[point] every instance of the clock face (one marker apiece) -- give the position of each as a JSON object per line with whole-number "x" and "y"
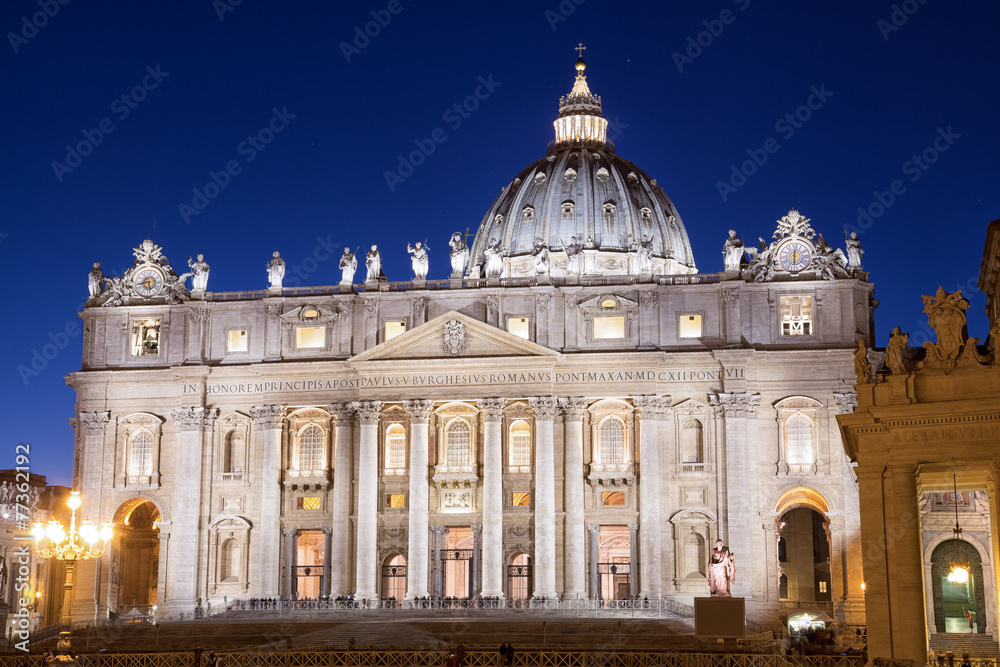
{"x": 794, "y": 256}
{"x": 148, "y": 282}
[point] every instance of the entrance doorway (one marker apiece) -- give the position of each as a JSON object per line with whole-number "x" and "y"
{"x": 135, "y": 559}
{"x": 519, "y": 578}
{"x": 804, "y": 557}
{"x": 309, "y": 551}
{"x": 456, "y": 559}
{"x": 614, "y": 567}
{"x": 955, "y": 601}
{"x": 394, "y": 578}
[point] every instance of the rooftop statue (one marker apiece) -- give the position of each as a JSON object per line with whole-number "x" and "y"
{"x": 574, "y": 256}
{"x": 373, "y": 262}
{"x": 199, "y": 270}
{"x": 95, "y": 281}
{"x": 494, "y": 259}
{"x": 854, "y": 251}
{"x": 862, "y": 367}
{"x": 946, "y": 315}
{"x": 899, "y": 345}
{"x": 541, "y": 254}
{"x": 732, "y": 251}
{"x": 459, "y": 255}
{"x": 645, "y": 252}
{"x": 348, "y": 265}
{"x": 276, "y": 270}
{"x": 420, "y": 261}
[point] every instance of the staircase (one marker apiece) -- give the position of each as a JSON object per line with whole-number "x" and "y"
{"x": 978, "y": 645}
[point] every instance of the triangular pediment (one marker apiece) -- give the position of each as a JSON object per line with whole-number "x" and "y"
{"x": 454, "y": 336}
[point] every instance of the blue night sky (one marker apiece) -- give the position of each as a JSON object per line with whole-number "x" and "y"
{"x": 887, "y": 83}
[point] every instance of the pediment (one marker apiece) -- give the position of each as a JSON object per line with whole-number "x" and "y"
{"x": 454, "y": 336}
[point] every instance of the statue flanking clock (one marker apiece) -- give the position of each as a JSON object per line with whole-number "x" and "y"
{"x": 796, "y": 251}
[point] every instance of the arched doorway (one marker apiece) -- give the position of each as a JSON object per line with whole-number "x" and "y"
{"x": 519, "y": 577}
{"x": 803, "y": 551}
{"x": 394, "y": 577}
{"x": 309, "y": 554}
{"x": 135, "y": 558}
{"x": 952, "y": 599}
{"x": 614, "y": 565}
{"x": 457, "y": 563}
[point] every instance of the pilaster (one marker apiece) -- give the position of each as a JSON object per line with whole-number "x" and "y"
{"x": 545, "y": 502}
{"x": 268, "y": 419}
{"x": 343, "y": 474}
{"x": 416, "y": 563}
{"x": 650, "y": 409}
{"x": 492, "y": 413}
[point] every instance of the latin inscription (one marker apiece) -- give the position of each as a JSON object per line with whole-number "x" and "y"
{"x": 463, "y": 379}
{"x": 948, "y": 434}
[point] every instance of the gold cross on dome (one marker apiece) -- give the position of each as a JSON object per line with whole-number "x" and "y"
{"x": 580, "y": 48}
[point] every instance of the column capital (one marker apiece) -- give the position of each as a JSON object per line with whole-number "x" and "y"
{"x": 593, "y": 528}
{"x": 633, "y": 527}
{"x": 368, "y": 412}
{"x": 492, "y": 408}
{"x": 342, "y": 413}
{"x": 573, "y": 408}
{"x": 736, "y": 404}
{"x": 267, "y": 416}
{"x": 439, "y": 530}
{"x": 420, "y": 411}
{"x": 194, "y": 419}
{"x": 846, "y": 402}
{"x": 651, "y": 407}
{"x": 476, "y": 528}
{"x": 290, "y": 532}
{"x": 94, "y": 423}
{"x": 327, "y": 531}
{"x": 544, "y": 407}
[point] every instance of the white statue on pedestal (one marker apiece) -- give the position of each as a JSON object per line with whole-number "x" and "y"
{"x": 95, "y": 281}
{"x": 732, "y": 251}
{"x": 494, "y": 259}
{"x": 420, "y": 261}
{"x": 276, "y": 270}
{"x": 541, "y": 253}
{"x": 373, "y": 262}
{"x": 199, "y": 270}
{"x": 459, "y": 255}
{"x": 854, "y": 251}
{"x": 574, "y": 256}
{"x": 348, "y": 265}
{"x": 645, "y": 252}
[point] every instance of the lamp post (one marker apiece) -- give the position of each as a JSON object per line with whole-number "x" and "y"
{"x": 52, "y": 541}
{"x": 958, "y": 567}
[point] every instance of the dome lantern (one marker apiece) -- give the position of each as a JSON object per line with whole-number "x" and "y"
{"x": 580, "y": 119}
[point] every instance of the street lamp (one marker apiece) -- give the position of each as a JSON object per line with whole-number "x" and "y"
{"x": 54, "y": 542}
{"x": 958, "y": 567}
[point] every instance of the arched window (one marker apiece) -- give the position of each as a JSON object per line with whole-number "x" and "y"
{"x": 457, "y": 436}
{"x": 311, "y": 443}
{"x": 519, "y": 447}
{"x": 799, "y": 442}
{"x": 783, "y": 586}
{"x": 692, "y": 442}
{"x": 395, "y": 450}
{"x": 229, "y": 560}
{"x": 140, "y": 458}
{"x": 232, "y": 452}
{"x": 612, "y": 441}
{"x": 782, "y": 550}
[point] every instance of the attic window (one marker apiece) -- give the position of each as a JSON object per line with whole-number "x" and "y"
{"x": 608, "y": 304}
{"x": 528, "y": 213}
{"x": 309, "y": 313}
{"x": 393, "y": 328}
{"x": 310, "y": 338}
{"x": 609, "y": 209}
{"x": 498, "y": 220}
{"x": 568, "y": 207}
{"x": 539, "y": 179}
{"x": 646, "y": 214}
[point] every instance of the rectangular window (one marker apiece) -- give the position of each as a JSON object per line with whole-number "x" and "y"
{"x": 310, "y": 338}
{"x": 518, "y": 326}
{"x": 145, "y": 340}
{"x": 237, "y": 340}
{"x": 606, "y": 328}
{"x": 396, "y": 500}
{"x": 393, "y": 328}
{"x": 689, "y": 326}
{"x": 520, "y": 500}
{"x": 822, "y": 587}
{"x": 796, "y": 315}
{"x": 309, "y": 503}
{"x": 613, "y": 498}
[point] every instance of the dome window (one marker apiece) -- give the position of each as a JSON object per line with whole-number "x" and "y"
{"x": 568, "y": 207}
{"x": 498, "y": 220}
{"x": 647, "y": 215}
{"x": 632, "y": 178}
{"x": 528, "y": 214}
{"x": 539, "y": 179}
{"x": 570, "y": 175}
{"x": 609, "y": 208}
{"x": 603, "y": 176}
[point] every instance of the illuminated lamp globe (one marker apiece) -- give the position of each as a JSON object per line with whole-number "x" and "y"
{"x": 106, "y": 531}
{"x": 38, "y": 531}
{"x": 74, "y": 501}
{"x": 88, "y": 532}
{"x": 580, "y": 65}
{"x": 959, "y": 575}
{"x": 55, "y": 532}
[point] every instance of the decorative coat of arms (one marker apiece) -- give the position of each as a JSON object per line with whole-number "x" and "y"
{"x": 454, "y": 339}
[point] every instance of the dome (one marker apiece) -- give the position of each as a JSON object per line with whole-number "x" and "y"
{"x": 582, "y": 193}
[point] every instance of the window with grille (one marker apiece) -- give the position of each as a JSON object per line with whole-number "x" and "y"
{"x": 395, "y": 450}
{"x": 140, "y": 460}
{"x": 798, "y": 442}
{"x": 519, "y": 447}
{"x": 311, "y": 448}
{"x": 457, "y": 438}
{"x": 796, "y": 315}
{"x": 612, "y": 448}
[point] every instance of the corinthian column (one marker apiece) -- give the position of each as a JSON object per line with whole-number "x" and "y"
{"x": 545, "y": 498}
{"x": 343, "y": 471}
{"x": 267, "y": 418}
{"x": 90, "y": 431}
{"x": 492, "y": 411}
{"x": 367, "y": 541}
{"x": 651, "y": 409}
{"x": 736, "y": 409}
{"x": 189, "y": 424}
{"x": 416, "y": 562}
{"x": 575, "y": 563}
